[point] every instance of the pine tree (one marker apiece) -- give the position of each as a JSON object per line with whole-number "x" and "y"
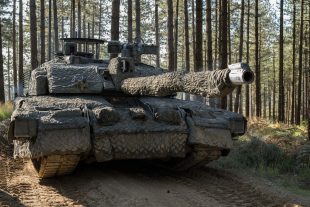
{"x": 157, "y": 35}
{"x": 72, "y": 18}
{"x": 223, "y": 45}
{"x": 129, "y": 14}
{"x": 14, "y": 49}
{"x": 8, "y": 71}
{"x": 138, "y": 24}
{"x": 115, "y": 22}
{"x": 238, "y": 93}
{"x": 21, "y": 51}
{"x": 247, "y": 89}
{"x": 186, "y": 31}
{"x": 56, "y": 38}
{"x": 33, "y": 35}
{"x": 209, "y": 35}
{"x": 49, "y": 30}
{"x": 2, "y": 96}
{"x": 171, "y": 66}
{"x": 42, "y": 31}
{"x": 281, "y": 101}
{"x": 199, "y": 39}
{"x": 300, "y": 62}
{"x": 176, "y": 34}
{"x": 257, "y": 64}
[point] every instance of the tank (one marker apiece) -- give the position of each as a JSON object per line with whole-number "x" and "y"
{"x": 79, "y": 108}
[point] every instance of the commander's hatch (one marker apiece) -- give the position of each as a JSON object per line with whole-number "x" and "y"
{"x": 80, "y": 46}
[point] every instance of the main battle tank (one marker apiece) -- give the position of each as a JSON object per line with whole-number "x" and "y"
{"x": 80, "y": 108}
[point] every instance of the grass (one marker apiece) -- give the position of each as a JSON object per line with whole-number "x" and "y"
{"x": 6, "y": 111}
{"x": 270, "y": 150}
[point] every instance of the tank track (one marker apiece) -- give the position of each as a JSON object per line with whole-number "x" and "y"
{"x": 200, "y": 155}
{"x": 55, "y": 165}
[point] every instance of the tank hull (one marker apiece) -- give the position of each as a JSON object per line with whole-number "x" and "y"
{"x": 102, "y": 129}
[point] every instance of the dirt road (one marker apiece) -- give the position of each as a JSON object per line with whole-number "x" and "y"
{"x": 127, "y": 183}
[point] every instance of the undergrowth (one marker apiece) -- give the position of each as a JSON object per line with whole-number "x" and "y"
{"x": 6, "y": 110}
{"x": 271, "y": 150}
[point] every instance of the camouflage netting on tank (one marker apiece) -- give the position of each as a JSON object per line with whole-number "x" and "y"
{"x": 38, "y": 83}
{"x": 210, "y": 83}
{"x": 152, "y": 83}
{"x": 74, "y": 79}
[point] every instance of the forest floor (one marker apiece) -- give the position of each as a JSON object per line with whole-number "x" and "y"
{"x": 230, "y": 181}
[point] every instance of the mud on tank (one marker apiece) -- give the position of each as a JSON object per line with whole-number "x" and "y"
{"x": 81, "y": 108}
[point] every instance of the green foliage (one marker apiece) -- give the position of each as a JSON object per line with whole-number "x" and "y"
{"x": 254, "y": 153}
{"x": 270, "y": 150}
{"x": 6, "y": 110}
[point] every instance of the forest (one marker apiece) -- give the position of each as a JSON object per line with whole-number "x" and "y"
{"x": 273, "y": 37}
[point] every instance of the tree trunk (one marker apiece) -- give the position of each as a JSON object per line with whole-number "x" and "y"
{"x": 247, "y": 92}
{"x": 216, "y": 34}
{"x": 79, "y": 22}
{"x": 2, "y": 96}
{"x": 62, "y": 29}
{"x": 186, "y": 31}
{"x": 309, "y": 115}
{"x": 9, "y": 76}
{"x": 14, "y": 49}
{"x": 269, "y": 94}
{"x": 281, "y": 101}
{"x": 230, "y": 96}
{"x": 21, "y": 51}
{"x": 115, "y": 23}
{"x": 129, "y": 13}
{"x": 49, "y": 29}
{"x": 298, "y": 110}
{"x": 33, "y": 35}
{"x": 56, "y": 38}
{"x": 84, "y": 27}
{"x": 157, "y": 35}
{"x": 223, "y": 45}
{"x": 138, "y": 24}
{"x": 209, "y": 35}
{"x": 199, "y": 39}
{"x": 274, "y": 87}
{"x": 193, "y": 33}
{"x": 73, "y": 18}
{"x": 42, "y": 31}
{"x": 93, "y": 29}
{"x": 257, "y": 65}
{"x": 170, "y": 36}
{"x": 176, "y": 34}
{"x": 238, "y": 92}
{"x": 308, "y": 105}
{"x": 100, "y": 18}
{"x": 264, "y": 103}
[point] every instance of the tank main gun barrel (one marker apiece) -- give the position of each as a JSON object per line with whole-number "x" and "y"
{"x": 240, "y": 73}
{"x": 217, "y": 83}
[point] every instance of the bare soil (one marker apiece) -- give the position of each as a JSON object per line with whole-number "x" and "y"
{"x": 130, "y": 183}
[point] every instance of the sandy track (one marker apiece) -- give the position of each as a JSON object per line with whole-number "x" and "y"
{"x": 127, "y": 183}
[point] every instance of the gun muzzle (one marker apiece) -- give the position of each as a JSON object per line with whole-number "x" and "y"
{"x": 240, "y": 73}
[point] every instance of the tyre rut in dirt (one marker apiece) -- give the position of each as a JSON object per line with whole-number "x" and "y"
{"x": 226, "y": 190}
{"x": 56, "y": 165}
